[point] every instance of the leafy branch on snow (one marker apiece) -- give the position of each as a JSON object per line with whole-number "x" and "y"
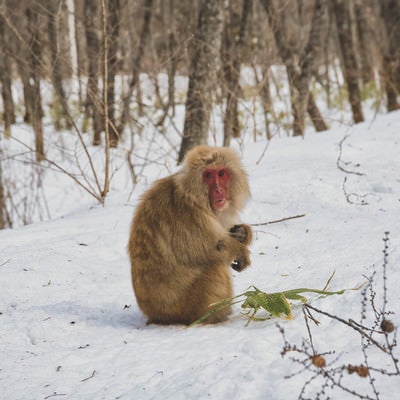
{"x": 275, "y": 304}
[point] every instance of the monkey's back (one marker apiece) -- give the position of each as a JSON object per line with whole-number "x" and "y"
{"x": 170, "y": 243}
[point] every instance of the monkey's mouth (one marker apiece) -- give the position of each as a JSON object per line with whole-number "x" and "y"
{"x": 218, "y": 199}
{"x": 219, "y": 203}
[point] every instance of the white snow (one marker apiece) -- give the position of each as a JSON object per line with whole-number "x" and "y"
{"x": 70, "y": 327}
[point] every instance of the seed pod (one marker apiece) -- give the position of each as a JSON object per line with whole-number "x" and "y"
{"x": 361, "y": 370}
{"x": 387, "y": 326}
{"x": 318, "y": 361}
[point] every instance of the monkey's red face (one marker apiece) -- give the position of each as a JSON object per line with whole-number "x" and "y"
{"x": 217, "y": 180}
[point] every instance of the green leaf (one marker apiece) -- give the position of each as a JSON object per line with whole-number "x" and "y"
{"x": 276, "y": 304}
{"x": 295, "y": 292}
{"x": 295, "y": 296}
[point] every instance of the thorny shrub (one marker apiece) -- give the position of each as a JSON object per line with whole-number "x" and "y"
{"x": 326, "y": 372}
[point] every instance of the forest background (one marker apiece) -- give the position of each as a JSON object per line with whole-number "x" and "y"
{"x": 84, "y": 75}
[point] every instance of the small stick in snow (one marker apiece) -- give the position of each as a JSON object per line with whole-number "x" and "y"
{"x": 340, "y": 162}
{"x": 279, "y": 220}
{"x": 263, "y": 153}
{"x": 54, "y": 395}
{"x": 89, "y": 377}
{"x": 359, "y": 197}
{"x": 4, "y": 263}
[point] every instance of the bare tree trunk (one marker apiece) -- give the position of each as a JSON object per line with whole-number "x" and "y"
{"x": 263, "y": 51}
{"x": 315, "y": 114}
{"x": 5, "y": 80}
{"x": 113, "y": 10}
{"x": 79, "y": 39}
{"x": 364, "y": 40}
{"x": 350, "y": 67}
{"x": 3, "y": 209}
{"x": 93, "y": 101}
{"x": 389, "y": 68}
{"x": 28, "y": 60}
{"x": 72, "y": 36}
{"x": 17, "y": 45}
{"x": 173, "y": 59}
{"x": 56, "y": 74}
{"x": 136, "y": 64}
{"x": 24, "y": 75}
{"x": 390, "y": 12}
{"x": 202, "y": 75}
{"x": 265, "y": 92}
{"x": 299, "y": 66}
{"x": 234, "y": 32}
{"x": 35, "y": 98}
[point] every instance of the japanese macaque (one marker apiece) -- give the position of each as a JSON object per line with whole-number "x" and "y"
{"x": 185, "y": 236}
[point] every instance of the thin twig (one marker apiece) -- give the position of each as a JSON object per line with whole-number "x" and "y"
{"x": 89, "y": 377}
{"x": 307, "y": 315}
{"x": 349, "y": 323}
{"x": 60, "y": 168}
{"x": 55, "y": 394}
{"x": 279, "y": 220}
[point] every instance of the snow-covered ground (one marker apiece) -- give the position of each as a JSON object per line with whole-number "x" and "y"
{"x": 70, "y": 327}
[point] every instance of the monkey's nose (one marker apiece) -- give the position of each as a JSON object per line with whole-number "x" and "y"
{"x": 217, "y": 189}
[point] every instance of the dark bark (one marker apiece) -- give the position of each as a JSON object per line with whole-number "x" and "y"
{"x": 315, "y": 114}
{"x": 390, "y": 12}
{"x": 5, "y": 79}
{"x": 202, "y": 75}
{"x": 347, "y": 49}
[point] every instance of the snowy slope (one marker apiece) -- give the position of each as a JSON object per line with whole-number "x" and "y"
{"x": 70, "y": 327}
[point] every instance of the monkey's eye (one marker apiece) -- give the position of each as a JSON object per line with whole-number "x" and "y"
{"x": 207, "y": 175}
{"x": 221, "y": 173}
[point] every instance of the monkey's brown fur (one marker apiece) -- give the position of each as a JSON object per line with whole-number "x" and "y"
{"x": 181, "y": 249}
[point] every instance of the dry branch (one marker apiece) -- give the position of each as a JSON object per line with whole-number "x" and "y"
{"x": 279, "y": 220}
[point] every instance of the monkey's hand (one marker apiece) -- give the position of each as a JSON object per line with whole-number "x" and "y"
{"x": 236, "y": 266}
{"x": 242, "y": 233}
{"x": 241, "y": 262}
